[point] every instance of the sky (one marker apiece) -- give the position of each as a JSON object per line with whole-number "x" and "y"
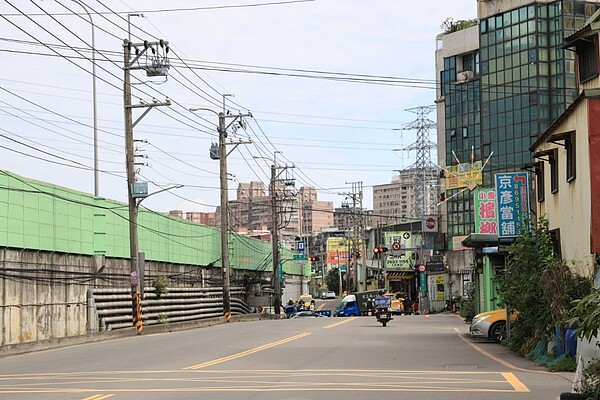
{"x": 328, "y": 84}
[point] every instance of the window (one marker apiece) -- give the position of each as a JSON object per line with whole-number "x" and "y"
{"x": 539, "y": 182}
{"x": 587, "y": 59}
{"x": 553, "y": 161}
{"x": 551, "y": 157}
{"x": 567, "y": 140}
{"x": 570, "y": 148}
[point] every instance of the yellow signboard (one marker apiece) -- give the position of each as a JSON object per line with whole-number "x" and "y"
{"x": 464, "y": 175}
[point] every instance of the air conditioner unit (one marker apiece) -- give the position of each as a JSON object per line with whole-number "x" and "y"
{"x": 464, "y": 76}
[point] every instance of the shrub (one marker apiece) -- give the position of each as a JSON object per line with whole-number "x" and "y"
{"x": 161, "y": 285}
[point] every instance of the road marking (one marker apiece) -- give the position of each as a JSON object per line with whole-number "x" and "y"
{"x": 321, "y": 307}
{"x": 499, "y": 360}
{"x": 515, "y": 382}
{"x": 278, "y": 380}
{"x": 248, "y": 352}
{"x": 339, "y": 323}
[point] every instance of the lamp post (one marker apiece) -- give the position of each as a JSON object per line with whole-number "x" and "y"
{"x": 129, "y": 23}
{"x": 222, "y": 130}
{"x": 96, "y": 180}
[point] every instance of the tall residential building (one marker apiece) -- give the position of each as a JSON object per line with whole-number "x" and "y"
{"x": 314, "y": 215}
{"x": 204, "y": 218}
{"x": 503, "y": 82}
{"x": 394, "y": 202}
{"x": 252, "y": 210}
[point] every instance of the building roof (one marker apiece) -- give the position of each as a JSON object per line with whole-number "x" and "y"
{"x": 590, "y": 28}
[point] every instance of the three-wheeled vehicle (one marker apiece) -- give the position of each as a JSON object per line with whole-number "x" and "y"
{"x": 382, "y": 310}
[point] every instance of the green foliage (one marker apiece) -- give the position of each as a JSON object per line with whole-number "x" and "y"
{"x": 449, "y": 25}
{"x": 591, "y": 381}
{"x": 161, "y": 285}
{"x": 162, "y": 318}
{"x": 586, "y": 314}
{"x": 563, "y": 364}
{"x": 523, "y": 289}
{"x": 332, "y": 281}
{"x": 468, "y": 304}
{"x": 541, "y": 287}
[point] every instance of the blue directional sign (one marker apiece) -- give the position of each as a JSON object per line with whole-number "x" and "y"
{"x": 512, "y": 193}
{"x": 301, "y": 246}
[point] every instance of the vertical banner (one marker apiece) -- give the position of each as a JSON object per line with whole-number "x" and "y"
{"x": 512, "y": 192}
{"x": 486, "y": 211}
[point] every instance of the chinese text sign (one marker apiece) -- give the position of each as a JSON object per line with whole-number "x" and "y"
{"x": 512, "y": 192}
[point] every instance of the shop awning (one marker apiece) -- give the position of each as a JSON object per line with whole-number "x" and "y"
{"x": 400, "y": 275}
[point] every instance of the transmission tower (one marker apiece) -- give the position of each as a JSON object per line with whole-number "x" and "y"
{"x": 423, "y": 170}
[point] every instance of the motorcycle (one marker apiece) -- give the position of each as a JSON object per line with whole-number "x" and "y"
{"x": 382, "y": 310}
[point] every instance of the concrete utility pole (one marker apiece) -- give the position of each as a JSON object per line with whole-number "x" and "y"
{"x": 275, "y": 230}
{"x": 275, "y": 241}
{"x": 133, "y": 192}
{"x": 358, "y": 243}
{"x": 224, "y": 217}
{"x": 224, "y": 190}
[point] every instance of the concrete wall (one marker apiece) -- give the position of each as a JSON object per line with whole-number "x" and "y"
{"x": 43, "y": 294}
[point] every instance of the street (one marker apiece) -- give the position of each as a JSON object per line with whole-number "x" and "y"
{"x": 414, "y": 357}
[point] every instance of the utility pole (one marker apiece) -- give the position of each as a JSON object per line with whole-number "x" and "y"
{"x": 224, "y": 216}
{"x": 275, "y": 241}
{"x": 275, "y": 231}
{"x": 224, "y": 191}
{"x": 134, "y": 191}
{"x": 358, "y": 244}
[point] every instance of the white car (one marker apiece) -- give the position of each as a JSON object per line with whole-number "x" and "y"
{"x": 328, "y": 295}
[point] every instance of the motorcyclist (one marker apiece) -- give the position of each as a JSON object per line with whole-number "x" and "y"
{"x": 290, "y": 302}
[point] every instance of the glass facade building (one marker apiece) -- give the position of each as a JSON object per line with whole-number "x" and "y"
{"x": 503, "y": 96}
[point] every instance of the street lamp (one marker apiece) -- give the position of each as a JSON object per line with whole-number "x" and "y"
{"x": 129, "y": 23}
{"x": 96, "y": 180}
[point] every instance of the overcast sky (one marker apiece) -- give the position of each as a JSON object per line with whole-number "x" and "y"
{"x": 328, "y": 83}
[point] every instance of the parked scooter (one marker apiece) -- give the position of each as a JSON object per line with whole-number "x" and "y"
{"x": 382, "y": 310}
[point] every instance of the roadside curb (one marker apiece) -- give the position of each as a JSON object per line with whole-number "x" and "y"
{"x": 49, "y": 344}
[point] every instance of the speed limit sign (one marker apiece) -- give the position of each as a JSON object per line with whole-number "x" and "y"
{"x": 421, "y": 267}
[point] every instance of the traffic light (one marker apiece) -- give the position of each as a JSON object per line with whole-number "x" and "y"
{"x": 379, "y": 250}
{"x": 313, "y": 258}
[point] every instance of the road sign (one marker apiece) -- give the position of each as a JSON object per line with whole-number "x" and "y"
{"x": 299, "y": 257}
{"x": 343, "y": 269}
{"x": 421, "y": 268}
{"x": 301, "y": 246}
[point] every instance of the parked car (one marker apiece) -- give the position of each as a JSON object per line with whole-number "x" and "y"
{"x": 328, "y": 295}
{"x": 310, "y": 314}
{"x": 491, "y": 324}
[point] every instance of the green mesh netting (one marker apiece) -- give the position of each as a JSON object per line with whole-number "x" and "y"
{"x": 540, "y": 355}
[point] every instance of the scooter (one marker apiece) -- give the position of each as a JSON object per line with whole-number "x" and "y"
{"x": 382, "y": 310}
{"x": 383, "y": 315}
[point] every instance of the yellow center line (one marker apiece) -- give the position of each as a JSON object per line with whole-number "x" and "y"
{"x": 321, "y": 307}
{"x": 99, "y": 397}
{"x": 339, "y": 323}
{"x": 248, "y": 352}
{"x": 515, "y": 382}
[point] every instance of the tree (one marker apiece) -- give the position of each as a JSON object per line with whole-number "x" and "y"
{"x": 540, "y": 286}
{"x": 332, "y": 281}
{"x": 522, "y": 287}
{"x": 449, "y": 25}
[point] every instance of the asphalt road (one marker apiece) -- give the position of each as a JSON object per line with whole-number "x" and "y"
{"x": 414, "y": 357}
